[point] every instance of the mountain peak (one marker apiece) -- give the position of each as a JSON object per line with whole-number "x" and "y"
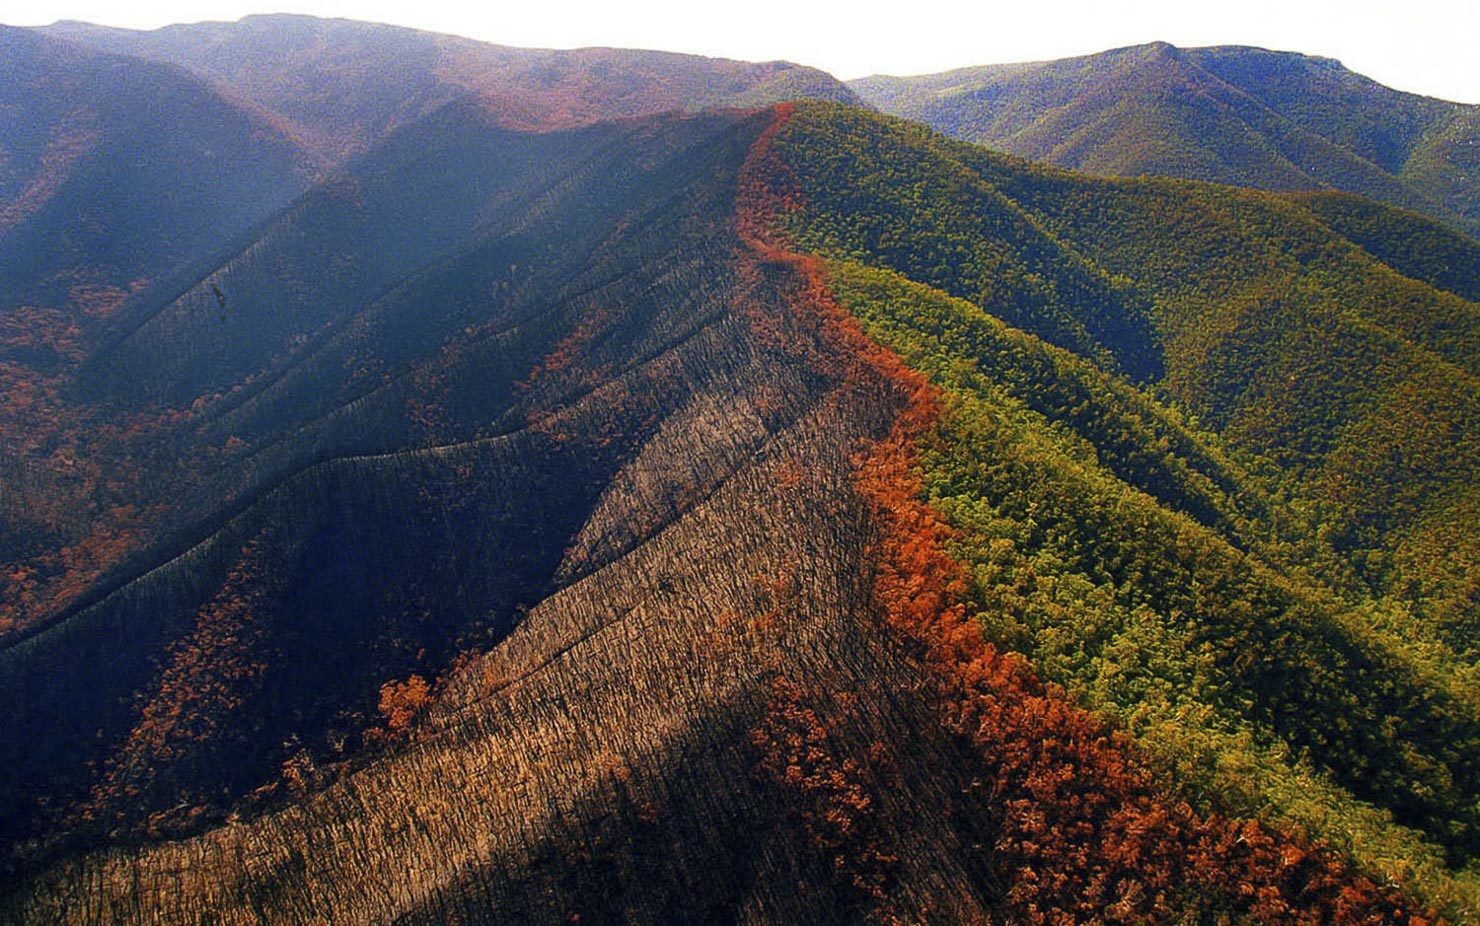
{"x": 1160, "y": 49}
{"x": 1233, "y": 114}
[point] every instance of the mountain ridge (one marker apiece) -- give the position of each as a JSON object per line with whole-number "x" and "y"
{"x": 1235, "y": 114}
{"x": 680, "y": 442}
{"x": 785, "y": 514}
{"x": 360, "y": 80}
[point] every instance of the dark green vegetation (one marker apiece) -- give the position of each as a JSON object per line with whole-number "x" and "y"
{"x": 1244, "y": 116}
{"x": 1244, "y": 594}
{"x": 1412, "y": 244}
{"x": 338, "y": 86}
{"x": 515, "y": 527}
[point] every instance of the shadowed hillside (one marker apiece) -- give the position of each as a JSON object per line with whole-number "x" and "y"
{"x": 117, "y": 171}
{"x": 340, "y": 85}
{"x": 116, "y": 175}
{"x": 1245, "y": 116}
{"x": 124, "y": 181}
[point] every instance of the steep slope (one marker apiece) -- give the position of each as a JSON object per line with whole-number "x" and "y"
{"x": 1138, "y": 561}
{"x": 117, "y": 171}
{"x": 637, "y": 614}
{"x": 1245, "y": 116}
{"x": 115, "y": 175}
{"x": 1293, "y": 343}
{"x": 1412, "y": 244}
{"x": 779, "y": 516}
{"x": 342, "y": 85}
{"x": 126, "y": 180}
{"x": 509, "y": 284}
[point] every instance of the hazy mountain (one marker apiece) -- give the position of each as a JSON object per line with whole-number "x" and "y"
{"x": 116, "y": 174}
{"x": 121, "y": 177}
{"x": 339, "y": 85}
{"x": 1246, "y": 116}
{"x": 114, "y": 171}
{"x": 786, "y": 515}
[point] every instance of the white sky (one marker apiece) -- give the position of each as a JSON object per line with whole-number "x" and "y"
{"x": 1425, "y": 46}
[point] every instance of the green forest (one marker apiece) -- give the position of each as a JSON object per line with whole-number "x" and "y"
{"x": 1159, "y": 522}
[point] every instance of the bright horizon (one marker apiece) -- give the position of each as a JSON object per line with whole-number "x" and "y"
{"x": 1426, "y": 46}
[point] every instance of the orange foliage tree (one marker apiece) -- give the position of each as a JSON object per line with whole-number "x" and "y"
{"x": 400, "y": 702}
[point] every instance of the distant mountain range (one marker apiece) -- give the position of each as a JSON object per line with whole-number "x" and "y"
{"x": 114, "y": 170}
{"x": 338, "y": 86}
{"x": 447, "y": 483}
{"x": 1246, "y": 116}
